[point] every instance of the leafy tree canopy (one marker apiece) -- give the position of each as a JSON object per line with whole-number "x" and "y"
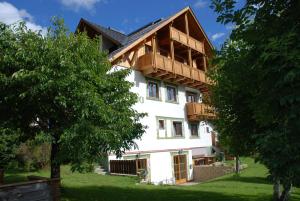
{"x": 257, "y": 88}
{"x": 61, "y": 86}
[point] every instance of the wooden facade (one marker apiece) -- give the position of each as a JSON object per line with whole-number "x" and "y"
{"x": 176, "y": 52}
{"x": 180, "y": 168}
{"x": 127, "y": 167}
{"x": 200, "y": 111}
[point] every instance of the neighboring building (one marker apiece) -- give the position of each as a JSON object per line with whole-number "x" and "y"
{"x": 169, "y": 61}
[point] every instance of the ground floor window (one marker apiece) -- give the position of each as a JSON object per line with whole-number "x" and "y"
{"x": 123, "y": 167}
{"x": 199, "y": 161}
{"x": 141, "y": 164}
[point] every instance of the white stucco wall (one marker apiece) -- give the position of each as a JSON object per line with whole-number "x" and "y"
{"x": 160, "y": 151}
{"x": 160, "y": 165}
{"x": 162, "y": 108}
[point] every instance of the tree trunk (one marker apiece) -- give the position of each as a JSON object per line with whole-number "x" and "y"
{"x": 285, "y": 195}
{"x": 276, "y": 189}
{"x": 237, "y": 164}
{"x": 1, "y": 176}
{"x": 55, "y": 164}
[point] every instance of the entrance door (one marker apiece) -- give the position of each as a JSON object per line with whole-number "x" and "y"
{"x": 180, "y": 169}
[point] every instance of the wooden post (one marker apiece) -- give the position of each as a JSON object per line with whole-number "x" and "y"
{"x": 153, "y": 42}
{"x": 187, "y": 27}
{"x": 204, "y": 58}
{"x": 188, "y": 42}
{"x": 172, "y": 48}
{"x": 190, "y": 57}
{"x": 136, "y": 166}
{"x": 1, "y": 176}
{"x": 204, "y": 63}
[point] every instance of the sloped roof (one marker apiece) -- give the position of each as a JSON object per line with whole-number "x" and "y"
{"x": 122, "y": 39}
{"x": 127, "y": 41}
{"x": 132, "y": 37}
{"x": 116, "y": 35}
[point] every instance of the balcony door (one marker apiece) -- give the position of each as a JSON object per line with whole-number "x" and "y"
{"x": 180, "y": 169}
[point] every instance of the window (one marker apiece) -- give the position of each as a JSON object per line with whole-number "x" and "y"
{"x": 191, "y": 97}
{"x": 141, "y": 164}
{"x": 177, "y": 128}
{"x": 171, "y": 94}
{"x": 153, "y": 90}
{"x": 200, "y": 161}
{"x": 161, "y": 124}
{"x": 194, "y": 129}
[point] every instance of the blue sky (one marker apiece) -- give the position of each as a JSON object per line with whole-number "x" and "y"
{"x": 123, "y": 15}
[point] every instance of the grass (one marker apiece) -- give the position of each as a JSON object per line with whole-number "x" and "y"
{"x": 251, "y": 185}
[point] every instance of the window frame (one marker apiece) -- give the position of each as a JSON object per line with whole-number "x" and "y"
{"x": 158, "y": 90}
{"x": 140, "y": 162}
{"x": 176, "y": 93}
{"x": 194, "y": 94}
{"x": 174, "y": 131}
{"x": 164, "y": 124}
{"x": 191, "y": 132}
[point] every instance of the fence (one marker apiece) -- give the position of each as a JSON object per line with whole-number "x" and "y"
{"x": 204, "y": 173}
{"x": 123, "y": 167}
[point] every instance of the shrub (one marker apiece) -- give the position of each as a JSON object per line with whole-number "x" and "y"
{"x": 32, "y": 156}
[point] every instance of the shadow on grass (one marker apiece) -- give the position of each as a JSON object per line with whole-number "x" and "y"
{"x": 255, "y": 180}
{"x": 8, "y": 179}
{"x": 110, "y": 193}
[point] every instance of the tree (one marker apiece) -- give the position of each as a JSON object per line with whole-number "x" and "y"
{"x": 235, "y": 123}
{"x": 257, "y": 87}
{"x": 60, "y": 86}
{"x": 8, "y": 146}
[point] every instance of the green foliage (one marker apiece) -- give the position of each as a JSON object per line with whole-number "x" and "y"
{"x": 61, "y": 85}
{"x": 31, "y": 156}
{"x": 8, "y": 145}
{"x": 251, "y": 185}
{"x": 258, "y": 83}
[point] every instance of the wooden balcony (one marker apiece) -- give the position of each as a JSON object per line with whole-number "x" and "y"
{"x": 161, "y": 67}
{"x": 188, "y": 41}
{"x": 200, "y": 111}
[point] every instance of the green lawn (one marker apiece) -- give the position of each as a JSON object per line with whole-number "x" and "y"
{"x": 251, "y": 185}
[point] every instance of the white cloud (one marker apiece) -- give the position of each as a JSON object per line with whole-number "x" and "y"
{"x": 230, "y": 26}
{"x": 217, "y": 36}
{"x": 200, "y": 4}
{"x": 10, "y": 14}
{"x": 77, "y": 4}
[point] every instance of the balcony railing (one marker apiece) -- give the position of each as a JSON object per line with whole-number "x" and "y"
{"x": 186, "y": 40}
{"x": 200, "y": 111}
{"x": 180, "y": 73}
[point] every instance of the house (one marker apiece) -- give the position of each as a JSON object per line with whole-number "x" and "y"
{"x": 169, "y": 61}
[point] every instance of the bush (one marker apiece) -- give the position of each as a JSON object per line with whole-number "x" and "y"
{"x": 31, "y": 156}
